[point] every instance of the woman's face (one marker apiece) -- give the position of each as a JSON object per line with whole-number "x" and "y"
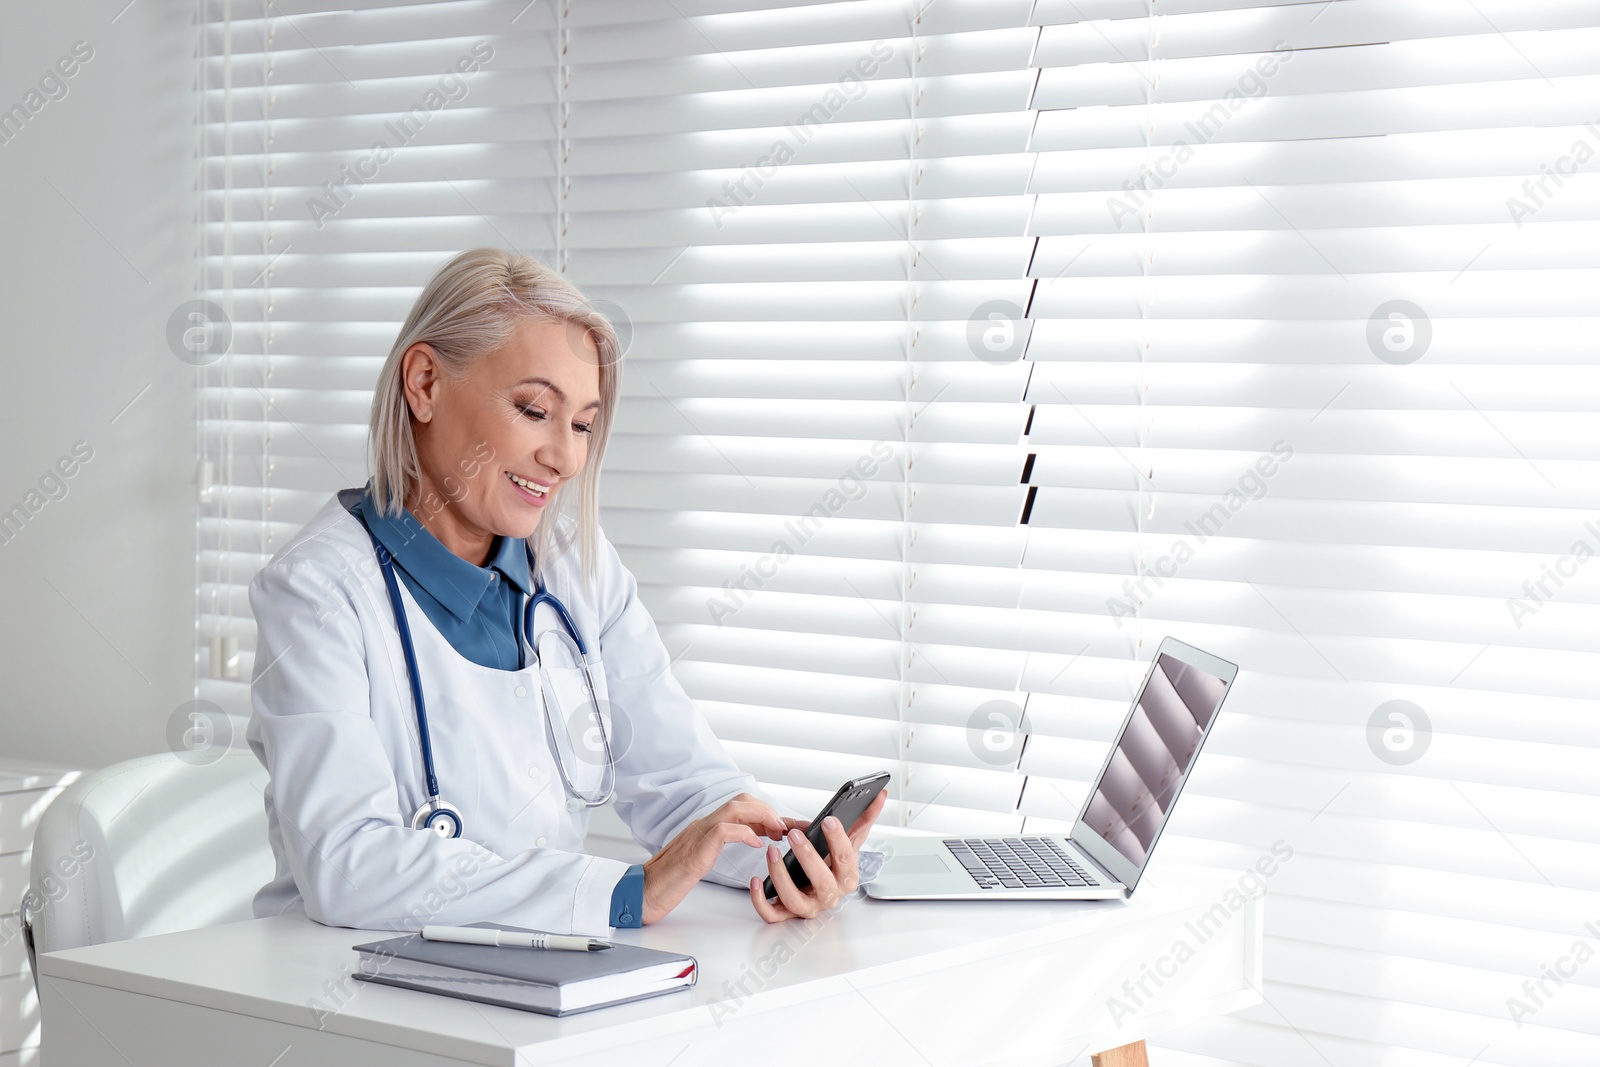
{"x": 496, "y": 444}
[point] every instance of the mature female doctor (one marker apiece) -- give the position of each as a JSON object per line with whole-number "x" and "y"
{"x": 420, "y": 698}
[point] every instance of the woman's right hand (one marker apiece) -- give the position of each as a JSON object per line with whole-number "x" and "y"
{"x": 689, "y": 857}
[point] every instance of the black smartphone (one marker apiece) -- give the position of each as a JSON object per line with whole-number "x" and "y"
{"x": 847, "y": 805}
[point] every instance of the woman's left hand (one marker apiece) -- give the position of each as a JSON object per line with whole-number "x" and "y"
{"x": 832, "y": 879}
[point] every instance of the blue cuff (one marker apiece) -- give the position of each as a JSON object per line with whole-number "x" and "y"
{"x": 627, "y": 900}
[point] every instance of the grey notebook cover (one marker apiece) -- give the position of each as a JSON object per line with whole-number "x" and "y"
{"x": 526, "y": 971}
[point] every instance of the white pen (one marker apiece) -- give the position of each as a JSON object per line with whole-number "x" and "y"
{"x": 472, "y": 935}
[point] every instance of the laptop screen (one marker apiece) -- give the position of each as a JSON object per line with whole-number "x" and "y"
{"x": 1152, "y": 757}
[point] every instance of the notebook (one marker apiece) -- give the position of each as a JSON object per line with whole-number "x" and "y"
{"x": 550, "y": 982}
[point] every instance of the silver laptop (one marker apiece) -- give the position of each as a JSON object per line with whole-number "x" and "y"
{"x": 1110, "y": 844}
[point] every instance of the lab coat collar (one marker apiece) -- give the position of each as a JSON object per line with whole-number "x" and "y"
{"x": 449, "y": 579}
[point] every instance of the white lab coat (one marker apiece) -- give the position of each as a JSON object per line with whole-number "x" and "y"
{"x": 333, "y": 723}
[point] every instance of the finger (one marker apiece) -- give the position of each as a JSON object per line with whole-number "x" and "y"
{"x": 790, "y": 894}
{"x": 748, "y": 810}
{"x": 702, "y": 841}
{"x": 858, "y": 832}
{"x": 772, "y": 913}
{"x": 824, "y": 887}
{"x": 741, "y": 808}
{"x": 714, "y": 826}
{"x": 842, "y": 856}
{"x": 700, "y": 853}
{"x": 783, "y": 826}
{"x": 723, "y": 833}
{"x": 736, "y": 824}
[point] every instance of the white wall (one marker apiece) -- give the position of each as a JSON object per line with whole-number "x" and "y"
{"x": 96, "y": 194}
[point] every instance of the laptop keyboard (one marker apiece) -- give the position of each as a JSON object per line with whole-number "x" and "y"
{"x": 1018, "y": 863}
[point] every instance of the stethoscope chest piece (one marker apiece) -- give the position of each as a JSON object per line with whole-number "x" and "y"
{"x": 439, "y": 817}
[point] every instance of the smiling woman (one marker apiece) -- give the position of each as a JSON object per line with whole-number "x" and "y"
{"x": 522, "y": 315}
{"x": 379, "y": 687}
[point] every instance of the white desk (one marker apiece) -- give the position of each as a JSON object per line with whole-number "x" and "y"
{"x": 923, "y": 983}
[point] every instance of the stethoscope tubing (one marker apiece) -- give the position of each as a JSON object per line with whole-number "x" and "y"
{"x": 435, "y": 806}
{"x": 413, "y": 675}
{"x": 541, "y": 596}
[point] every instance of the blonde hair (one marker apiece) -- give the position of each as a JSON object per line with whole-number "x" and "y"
{"x": 467, "y": 310}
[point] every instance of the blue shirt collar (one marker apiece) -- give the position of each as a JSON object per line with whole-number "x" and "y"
{"x": 449, "y": 579}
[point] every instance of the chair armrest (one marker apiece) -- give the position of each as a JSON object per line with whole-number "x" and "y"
{"x": 27, "y": 934}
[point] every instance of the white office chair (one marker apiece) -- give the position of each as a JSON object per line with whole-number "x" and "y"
{"x": 146, "y": 847}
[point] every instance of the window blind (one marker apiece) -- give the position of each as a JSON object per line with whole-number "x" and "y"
{"x": 976, "y": 346}
{"x": 1310, "y": 376}
{"x": 349, "y": 152}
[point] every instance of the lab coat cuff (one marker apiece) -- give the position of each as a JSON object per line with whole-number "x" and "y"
{"x": 591, "y": 907}
{"x": 627, "y": 899}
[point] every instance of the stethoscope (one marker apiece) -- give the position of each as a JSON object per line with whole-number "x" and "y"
{"x": 435, "y": 814}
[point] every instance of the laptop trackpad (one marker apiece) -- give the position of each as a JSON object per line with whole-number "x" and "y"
{"x": 930, "y": 864}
